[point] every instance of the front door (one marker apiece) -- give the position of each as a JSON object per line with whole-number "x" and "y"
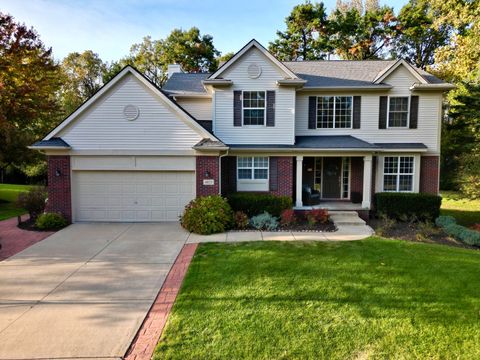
{"x": 332, "y": 170}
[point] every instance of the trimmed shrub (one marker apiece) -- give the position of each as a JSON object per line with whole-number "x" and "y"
{"x": 264, "y": 221}
{"x": 51, "y": 221}
{"x": 288, "y": 217}
{"x": 317, "y": 216}
{"x": 459, "y": 232}
{"x": 207, "y": 215}
{"x": 33, "y": 201}
{"x": 253, "y": 203}
{"x": 408, "y": 205}
{"x": 241, "y": 220}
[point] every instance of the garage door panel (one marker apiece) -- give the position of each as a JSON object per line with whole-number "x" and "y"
{"x": 131, "y": 196}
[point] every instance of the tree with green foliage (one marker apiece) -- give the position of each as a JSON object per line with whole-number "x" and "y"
{"x": 188, "y": 48}
{"x": 29, "y": 83}
{"x": 83, "y": 76}
{"x": 357, "y": 36}
{"x": 306, "y": 37}
{"x": 461, "y": 137}
{"x": 418, "y": 38}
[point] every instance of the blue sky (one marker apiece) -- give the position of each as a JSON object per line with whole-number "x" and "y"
{"x": 110, "y": 27}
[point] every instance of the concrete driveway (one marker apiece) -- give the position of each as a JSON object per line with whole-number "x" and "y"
{"x": 84, "y": 291}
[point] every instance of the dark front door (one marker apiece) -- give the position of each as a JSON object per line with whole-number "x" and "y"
{"x": 332, "y": 170}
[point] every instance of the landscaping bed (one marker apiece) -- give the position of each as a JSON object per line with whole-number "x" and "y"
{"x": 376, "y": 298}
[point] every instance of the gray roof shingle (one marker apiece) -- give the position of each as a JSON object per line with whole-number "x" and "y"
{"x": 53, "y": 142}
{"x": 331, "y": 73}
{"x": 180, "y": 83}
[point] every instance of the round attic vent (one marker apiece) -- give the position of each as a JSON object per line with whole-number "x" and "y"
{"x": 254, "y": 71}
{"x": 131, "y": 112}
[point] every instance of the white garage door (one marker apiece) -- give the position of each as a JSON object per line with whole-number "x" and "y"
{"x": 131, "y": 196}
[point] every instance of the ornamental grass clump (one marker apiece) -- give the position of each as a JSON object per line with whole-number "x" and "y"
{"x": 207, "y": 215}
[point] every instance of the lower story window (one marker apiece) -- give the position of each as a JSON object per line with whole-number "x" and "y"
{"x": 398, "y": 173}
{"x": 252, "y": 168}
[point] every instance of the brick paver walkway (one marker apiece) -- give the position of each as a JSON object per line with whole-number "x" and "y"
{"x": 13, "y": 240}
{"x": 147, "y": 337}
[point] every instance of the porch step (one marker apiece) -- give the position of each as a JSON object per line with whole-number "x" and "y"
{"x": 346, "y": 218}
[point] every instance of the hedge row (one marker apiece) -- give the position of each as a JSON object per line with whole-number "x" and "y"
{"x": 459, "y": 232}
{"x": 419, "y": 205}
{"x": 254, "y": 204}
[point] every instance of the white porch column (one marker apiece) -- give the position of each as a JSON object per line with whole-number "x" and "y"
{"x": 367, "y": 181}
{"x": 299, "y": 202}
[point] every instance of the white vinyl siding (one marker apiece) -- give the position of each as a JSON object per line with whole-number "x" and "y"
{"x": 103, "y": 126}
{"x": 429, "y": 115}
{"x": 284, "y": 130}
{"x": 200, "y": 109}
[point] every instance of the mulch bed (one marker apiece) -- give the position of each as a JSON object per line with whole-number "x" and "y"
{"x": 409, "y": 231}
{"x": 29, "y": 225}
{"x": 301, "y": 226}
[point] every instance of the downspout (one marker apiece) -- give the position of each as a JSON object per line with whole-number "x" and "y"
{"x": 220, "y": 172}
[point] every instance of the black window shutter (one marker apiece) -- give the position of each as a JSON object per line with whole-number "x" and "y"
{"x": 413, "y": 112}
{"x": 357, "y": 108}
{"x": 273, "y": 173}
{"x": 237, "y": 108}
{"x": 312, "y": 112}
{"x": 271, "y": 108}
{"x": 382, "y": 114}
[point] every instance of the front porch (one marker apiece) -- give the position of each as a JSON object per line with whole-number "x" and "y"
{"x": 336, "y": 183}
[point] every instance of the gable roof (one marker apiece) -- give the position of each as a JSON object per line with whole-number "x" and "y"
{"x": 321, "y": 74}
{"x": 253, "y": 43}
{"x": 53, "y": 143}
{"x": 183, "y": 115}
{"x": 387, "y": 71}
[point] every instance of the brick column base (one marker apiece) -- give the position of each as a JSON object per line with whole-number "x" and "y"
{"x": 59, "y": 191}
{"x": 207, "y": 170}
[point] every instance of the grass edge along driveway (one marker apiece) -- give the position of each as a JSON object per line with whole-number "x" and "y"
{"x": 8, "y": 198}
{"x": 374, "y": 298}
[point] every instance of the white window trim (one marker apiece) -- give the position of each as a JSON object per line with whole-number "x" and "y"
{"x": 334, "y": 110}
{"x": 408, "y": 112}
{"x": 253, "y": 167}
{"x": 255, "y": 108}
{"x": 398, "y": 173}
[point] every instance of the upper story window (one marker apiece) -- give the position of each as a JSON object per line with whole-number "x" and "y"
{"x": 334, "y": 112}
{"x": 254, "y": 108}
{"x": 398, "y": 111}
{"x": 398, "y": 173}
{"x": 252, "y": 168}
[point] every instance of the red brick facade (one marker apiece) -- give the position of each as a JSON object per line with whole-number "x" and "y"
{"x": 429, "y": 174}
{"x": 284, "y": 176}
{"x": 207, "y": 169}
{"x": 356, "y": 178}
{"x": 59, "y": 191}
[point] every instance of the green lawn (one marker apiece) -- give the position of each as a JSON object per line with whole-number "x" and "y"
{"x": 370, "y": 299}
{"x": 466, "y": 211}
{"x": 8, "y": 196}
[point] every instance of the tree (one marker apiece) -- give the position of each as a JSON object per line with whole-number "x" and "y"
{"x": 358, "y": 36}
{"x": 83, "y": 76}
{"x": 418, "y": 38}
{"x": 224, "y": 58}
{"x": 193, "y": 51}
{"x": 306, "y": 37}
{"x": 29, "y": 84}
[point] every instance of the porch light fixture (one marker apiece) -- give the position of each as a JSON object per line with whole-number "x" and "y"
{"x": 58, "y": 173}
{"x": 207, "y": 174}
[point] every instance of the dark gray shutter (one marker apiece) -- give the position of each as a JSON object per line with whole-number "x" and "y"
{"x": 357, "y": 108}
{"x": 237, "y": 108}
{"x": 413, "y": 112}
{"x": 382, "y": 113}
{"x": 273, "y": 173}
{"x": 312, "y": 112}
{"x": 271, "y": 108}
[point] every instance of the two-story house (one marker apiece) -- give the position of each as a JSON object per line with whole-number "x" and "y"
{"x": 346, "y": 129}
